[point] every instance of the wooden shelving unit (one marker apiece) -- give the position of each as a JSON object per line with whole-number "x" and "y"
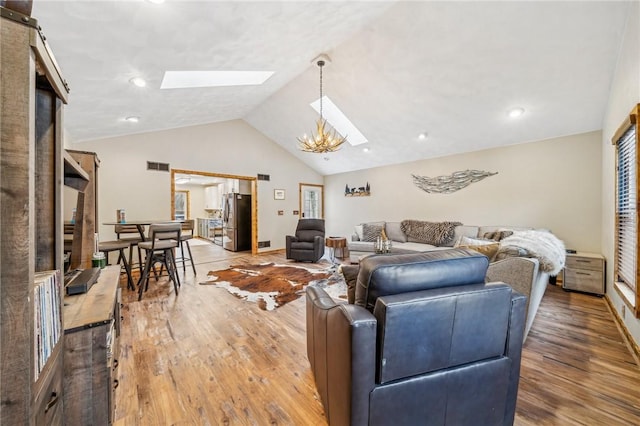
{"x": 85, "y": 166}
{"x": 32, "y": 92}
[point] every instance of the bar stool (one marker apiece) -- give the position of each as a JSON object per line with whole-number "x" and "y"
{"x": 124, "y": 233}
{"x": 107, "y": 247}
{"x": 163, "y": 239}
{"x": 185, "y": 236}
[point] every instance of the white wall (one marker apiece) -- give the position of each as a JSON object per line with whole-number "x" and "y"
{"x": 232, "y": 147}
{"x": 624, "y": 95}
{"x": 552, "y": 184}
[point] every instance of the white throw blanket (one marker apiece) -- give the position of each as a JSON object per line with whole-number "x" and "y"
{"x": 542, "y": 245}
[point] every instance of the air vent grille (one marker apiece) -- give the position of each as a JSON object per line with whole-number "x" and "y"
{"x": 161, "y": 167}
{"x": 263, "y": 244}
{"x": 263, "y": 177}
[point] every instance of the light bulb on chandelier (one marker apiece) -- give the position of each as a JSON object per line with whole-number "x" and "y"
{"x": 325, "y": 139}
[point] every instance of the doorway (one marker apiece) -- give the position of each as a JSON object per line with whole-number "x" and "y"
{"x": 311, "y": 198}
{"x": 201, "y": 176}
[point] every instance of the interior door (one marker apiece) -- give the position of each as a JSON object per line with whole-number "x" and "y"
{"x": 311, "y": 201}
{"x": 182, "y": 205}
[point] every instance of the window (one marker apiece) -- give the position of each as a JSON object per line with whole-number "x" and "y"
{"x": 626, "y": 212}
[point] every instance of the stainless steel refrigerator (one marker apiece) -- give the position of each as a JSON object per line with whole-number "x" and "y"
{"x": 237, "y": 222}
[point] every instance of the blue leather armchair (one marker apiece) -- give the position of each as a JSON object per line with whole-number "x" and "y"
{"x": 427, "y": 342}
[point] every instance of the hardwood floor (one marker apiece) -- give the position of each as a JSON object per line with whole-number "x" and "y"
{"x": 207, "y": 358}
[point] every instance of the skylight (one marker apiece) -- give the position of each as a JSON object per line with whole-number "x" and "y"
{"x": 339, "y": 121}
{"x": 190, "y": 79}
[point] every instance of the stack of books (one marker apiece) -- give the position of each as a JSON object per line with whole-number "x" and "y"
{"x": 47, "y": 294}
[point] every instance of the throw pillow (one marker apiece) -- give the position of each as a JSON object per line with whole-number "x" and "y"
{"x": 497, "y": 235}
{"x": 487, "y": 247}
{"x": 371, "y": 232}
{"x": 511, "y": 251}
{"x": 358, "y": 230}
{"x": 350, "y": 274}
{"x": 394, "y": 232}
{"x": 434, "y": 233}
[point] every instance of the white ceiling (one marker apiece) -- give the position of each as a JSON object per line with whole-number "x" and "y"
{"x": 448, "y": 68}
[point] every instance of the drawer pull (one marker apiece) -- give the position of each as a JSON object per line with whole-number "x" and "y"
{"x": 583, "y": 273}
{"x": 52, "y": 401}
{"x": 115, "y": 364}
{"x": 583, "y": 261}
{"x": 115, "y": 383}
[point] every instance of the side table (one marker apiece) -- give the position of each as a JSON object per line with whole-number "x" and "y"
{"x": 334, "y": 243}
{"x": 584, "y": 272}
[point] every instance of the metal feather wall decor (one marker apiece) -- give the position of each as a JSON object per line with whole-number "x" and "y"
{"x": 452, "y": 183}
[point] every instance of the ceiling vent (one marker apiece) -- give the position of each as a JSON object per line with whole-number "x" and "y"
{"x": 161, "y": 167}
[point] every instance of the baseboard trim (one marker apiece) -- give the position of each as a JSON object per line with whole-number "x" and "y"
{"x": 635, "y": 349}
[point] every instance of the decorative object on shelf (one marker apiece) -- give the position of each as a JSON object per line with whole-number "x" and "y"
{"x": 451, "y": 183}
{"x": 362, "y": 191}
{"x": 278, "y": 194}
{"x": 325, "y": 140}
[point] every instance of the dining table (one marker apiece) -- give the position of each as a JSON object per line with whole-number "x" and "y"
{"x": 140, "y": 224}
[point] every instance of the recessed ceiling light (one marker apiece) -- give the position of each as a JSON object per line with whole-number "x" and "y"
{"x": 516, "y": 112}
{"x": 138, "y": 81}
{"x": 365, "y": 149}
{"x": 190, "y": 79}
{"x": 132, "y": 119}
{"x": 422, "y": 136}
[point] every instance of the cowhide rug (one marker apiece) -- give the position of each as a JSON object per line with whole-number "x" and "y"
{"x": 271, "y": 285}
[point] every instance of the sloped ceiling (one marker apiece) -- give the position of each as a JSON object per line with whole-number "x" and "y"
{"x": 451, "y": 69}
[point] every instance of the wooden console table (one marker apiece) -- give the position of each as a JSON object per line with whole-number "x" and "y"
{"x": 91, "y": 333}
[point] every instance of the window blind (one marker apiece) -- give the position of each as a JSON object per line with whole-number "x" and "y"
{"x": 626, "y": 209}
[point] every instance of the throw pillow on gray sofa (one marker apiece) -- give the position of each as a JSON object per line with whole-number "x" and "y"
{"x": 371, "y": 232}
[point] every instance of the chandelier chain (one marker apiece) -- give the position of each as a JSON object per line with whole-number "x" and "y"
{"x": 321, "y": 64}
{"x": 325, "y": 139}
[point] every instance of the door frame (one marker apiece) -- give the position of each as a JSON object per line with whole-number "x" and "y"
{"x": 254, "y": 198}
{"x": 300, "y": 198}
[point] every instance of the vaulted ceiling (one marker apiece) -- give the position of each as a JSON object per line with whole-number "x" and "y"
{"x": 450, "y": 69}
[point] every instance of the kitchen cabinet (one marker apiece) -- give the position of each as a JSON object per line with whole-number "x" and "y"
{"x": 211, "y": 197}
{"x": 203, "y": 227}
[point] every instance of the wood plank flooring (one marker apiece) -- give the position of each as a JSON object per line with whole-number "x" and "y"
{"x": 207, "y": 358}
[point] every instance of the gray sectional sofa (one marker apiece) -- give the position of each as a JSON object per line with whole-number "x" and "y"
{"x": 522, "y": 272}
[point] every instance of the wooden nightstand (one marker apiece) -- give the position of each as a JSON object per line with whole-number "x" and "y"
{"x": 584, "y": 272}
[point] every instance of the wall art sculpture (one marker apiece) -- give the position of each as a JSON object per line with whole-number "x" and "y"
{"x": 451, "y": 183}
{"x": 362, "y": 191}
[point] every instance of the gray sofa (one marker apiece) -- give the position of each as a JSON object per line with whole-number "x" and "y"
{"x": 522, "y": 273}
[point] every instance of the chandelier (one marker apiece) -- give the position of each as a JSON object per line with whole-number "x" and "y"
{"x": 326, "y": 139}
